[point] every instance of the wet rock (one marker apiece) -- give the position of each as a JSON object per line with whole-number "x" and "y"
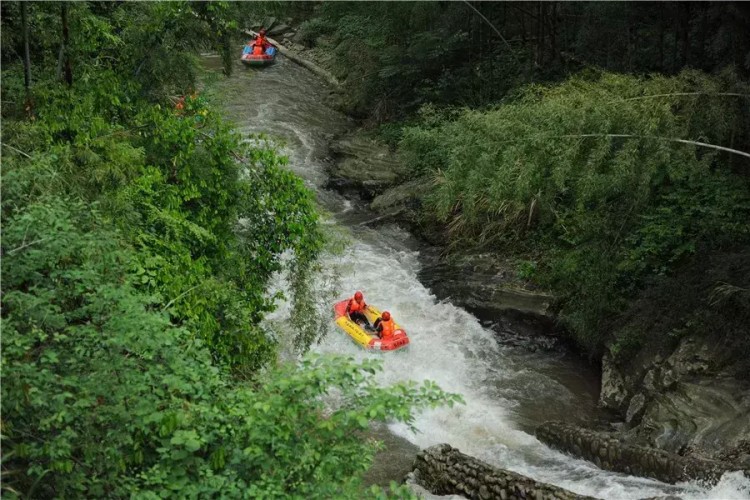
{"x": 607, "y": 451}
{"x": 279, "y": 29}
{"x": 663, "y": 497}
{"x": 392, "y": 462}
{"x": 488, "y": 287}
{"x": 362, "y": 166}
{"x": 684, "y": 387}
{"x": 703, "y": 414}
{"x": 738, "y": 454}
{"x": 614, "y": 390}
{"x": 677, "y": 401}
{"x": 636, "y": 408}
{"x": 444, "y": 470}
{"x": 403, "y": 195}
{"x": 268, "y": 23}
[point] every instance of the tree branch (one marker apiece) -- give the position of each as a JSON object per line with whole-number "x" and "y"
{"x": 27, "y": 245}
{"x": 670, "y": 139}
{"x": 493, "y": 27}
{"x": 16, "y": 150}
{"x": 732, "y": 94}
{"x": 171, "y": 302}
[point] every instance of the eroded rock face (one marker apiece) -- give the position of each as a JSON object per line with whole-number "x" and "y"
{"x": 615, "y": 390}
{"x": 704, "y": 415}
{"x": 363, "y": 166}
{"x": 444, "y": 470}
{"x": 680, "y": 403}
{"x": 486, "y": 286}
{"x": 611, "y": 453}
{"x": 685, "y": 387}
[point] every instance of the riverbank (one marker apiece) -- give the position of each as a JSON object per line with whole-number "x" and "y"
{"x": 674, "y": 378}
{"x": 677, "y": 373}
{"x": 395, "y": 201}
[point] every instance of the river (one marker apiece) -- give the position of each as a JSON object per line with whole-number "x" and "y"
{"x": 508, "y": 389}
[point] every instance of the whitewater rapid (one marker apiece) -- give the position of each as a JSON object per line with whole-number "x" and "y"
{"x": 506, "y": 389}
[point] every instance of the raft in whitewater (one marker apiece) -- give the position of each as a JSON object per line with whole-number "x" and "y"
{"x": 268, "y": 57}
{"x": 399, "y": 339}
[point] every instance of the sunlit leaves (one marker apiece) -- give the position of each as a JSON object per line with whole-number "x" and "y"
{"x": 100, "y": 393}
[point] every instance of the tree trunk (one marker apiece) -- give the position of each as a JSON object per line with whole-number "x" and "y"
{"x": 661, "y": 39}
{"x": 66, "y": 44}
{"x": 675, "y": 45}
{"x": 26, "y": 56}
{"x": 540, "y": 35}
{"x": 226, "y": 51}
{"x": 631, "y": 47}
{"x": 553, "y": 32}
{"x": 684, "y": 8}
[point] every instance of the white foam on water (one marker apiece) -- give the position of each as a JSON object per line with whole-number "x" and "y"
{"x": 448, "y": 345}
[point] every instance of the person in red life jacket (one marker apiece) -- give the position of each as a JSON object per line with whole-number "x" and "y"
{"x": 261, "y": 43}
{"x": 385, "y": 325}
{"x": 356, "y": 310}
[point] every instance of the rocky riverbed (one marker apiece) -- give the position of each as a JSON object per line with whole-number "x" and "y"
{"x": 675, "y": 370}
{"x": 672, "y": 398}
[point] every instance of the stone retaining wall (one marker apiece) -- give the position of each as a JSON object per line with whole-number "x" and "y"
{"x": 610, "y": 453}
{"x": 446, "y": 471}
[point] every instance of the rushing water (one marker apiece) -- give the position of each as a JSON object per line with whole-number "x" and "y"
{"x": 508, "y": 389}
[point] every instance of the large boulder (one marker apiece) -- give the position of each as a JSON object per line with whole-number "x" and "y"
{"x": 279, "y": 29}
{"x": 677, "y": 368}
{"x": 609, "y": 452}
{"x": 362, "y": 166}
{"x": 489, "y": 287}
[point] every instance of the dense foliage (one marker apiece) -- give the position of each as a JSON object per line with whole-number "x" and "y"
{"x": 395, "y": 56}
{"x": 588, "y": 176}
{"x": 586, "y": 182}
{"x": 139, "y": 240}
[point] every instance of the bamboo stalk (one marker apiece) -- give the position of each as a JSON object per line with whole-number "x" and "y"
{"x": 670, "y": 139}
{"x": 732, "y": 94}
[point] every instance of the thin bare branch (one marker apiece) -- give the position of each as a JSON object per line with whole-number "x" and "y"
{"x": 493, "y": 28}
{"x": 27, "y": 245}
{"x": 171, "y": 302}
{"x": 16, "y": 150}
{"x": 670, "y": 139}
{"x": 729, "y": 94}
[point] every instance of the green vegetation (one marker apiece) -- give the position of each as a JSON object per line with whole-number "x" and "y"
{"x": 139, "y": 241}
{"x": 538, "y": 150}
{"x": 397, "y": 56}
{"x": 588, "y": 174}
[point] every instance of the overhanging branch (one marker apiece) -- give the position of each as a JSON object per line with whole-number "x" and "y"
{"x": 669, "y": 139}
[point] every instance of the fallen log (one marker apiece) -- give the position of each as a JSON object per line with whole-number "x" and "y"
{"x": 295, "y": 57}
{"x": 444, "y": 470}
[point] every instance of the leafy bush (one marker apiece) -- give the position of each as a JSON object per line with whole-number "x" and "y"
{"x": 138, "y": 245}
{"x": 589, "y": 172}
{"x": 102, "y": 396}
{"x": 311, "y": 29}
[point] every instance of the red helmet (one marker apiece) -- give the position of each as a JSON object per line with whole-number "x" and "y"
{"x": 358, "y": 296}
{"x": 386, "y": 315}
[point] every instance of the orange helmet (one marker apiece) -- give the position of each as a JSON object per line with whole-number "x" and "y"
{"x": 386, "y": 315}
{"x": 358, "y": 296}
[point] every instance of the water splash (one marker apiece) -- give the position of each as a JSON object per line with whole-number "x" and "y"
{"x": 448, "y": 345}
